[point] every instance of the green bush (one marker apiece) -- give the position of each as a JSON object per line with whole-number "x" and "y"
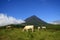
{"x": 18, "y": 34}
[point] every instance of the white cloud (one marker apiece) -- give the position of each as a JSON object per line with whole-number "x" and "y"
{"x": 55, "y": 23}
{"x": 5, "y": 20}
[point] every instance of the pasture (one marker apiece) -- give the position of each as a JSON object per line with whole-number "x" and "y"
{"x": 18, "y": 34}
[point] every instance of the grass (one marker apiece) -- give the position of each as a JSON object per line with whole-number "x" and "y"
{"x": 18, "y": 34}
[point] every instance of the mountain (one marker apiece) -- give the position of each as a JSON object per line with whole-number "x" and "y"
{"x": 34, "y": 20}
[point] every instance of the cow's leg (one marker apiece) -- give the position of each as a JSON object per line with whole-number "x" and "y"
{"x": 32, "y": 30}
{"x": 27, "y": 30}
{"x": 38, "y": 29}
{"x": 23, "y": 29}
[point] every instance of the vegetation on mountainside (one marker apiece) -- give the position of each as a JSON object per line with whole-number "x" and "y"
{"x": 34, "y": 20}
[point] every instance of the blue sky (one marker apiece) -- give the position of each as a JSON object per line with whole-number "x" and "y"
{"x": 47, "y": 10}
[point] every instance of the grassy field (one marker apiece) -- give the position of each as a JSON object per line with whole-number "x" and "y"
{"x": 18, "y": 34}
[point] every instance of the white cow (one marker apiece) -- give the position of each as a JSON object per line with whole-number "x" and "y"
{"x": 44, "y": 27}
{"x": 28, "y": 27}
{"x": 39, "y": 28}
{"x": 8, "y": 27}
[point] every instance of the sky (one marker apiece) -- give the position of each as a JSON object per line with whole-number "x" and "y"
{"x": 47, "y": 10}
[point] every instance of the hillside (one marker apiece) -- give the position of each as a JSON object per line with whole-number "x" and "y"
{"x": 34, "y": 20}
